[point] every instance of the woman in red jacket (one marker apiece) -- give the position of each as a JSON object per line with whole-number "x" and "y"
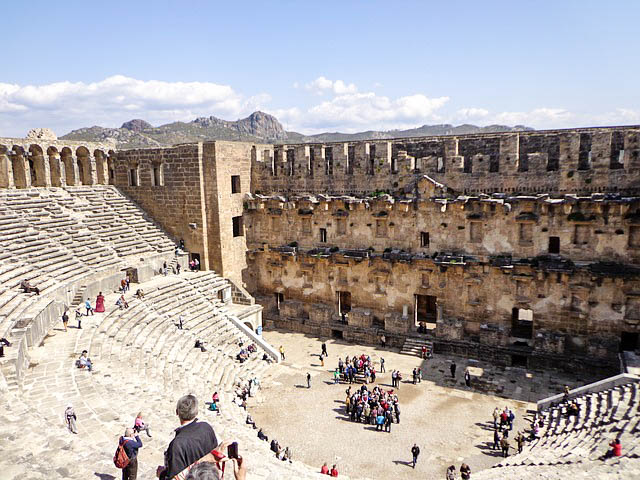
{"x": 334, "y": 471}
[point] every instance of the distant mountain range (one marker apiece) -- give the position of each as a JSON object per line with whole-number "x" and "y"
{"x": 258, "y": 127}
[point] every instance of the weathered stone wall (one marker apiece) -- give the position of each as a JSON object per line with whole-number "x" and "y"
{"x": 578, "y": 313}
{"x": 586, "y": 228}
{"x": 559, "y": 161}
{"x": 176, "y": 201}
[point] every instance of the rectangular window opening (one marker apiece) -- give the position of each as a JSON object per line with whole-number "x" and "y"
{"x": 554, "y": 245}
{"x": 238, "y": 227}
{"x": 424, "y": 239}
{"x": 323, "y": 235}
{"x": 235, "y": 183}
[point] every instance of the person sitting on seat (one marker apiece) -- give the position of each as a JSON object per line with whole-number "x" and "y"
{"x": 84, "y": 361}
{"x": 616, "y": 450}
{"x": 27, "y": 288}
{"x": 139, "y": 294}
{"x": 122, "y": 303}
{"x": 250, "y": 421}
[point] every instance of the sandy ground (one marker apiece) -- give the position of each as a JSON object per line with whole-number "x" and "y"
{"x": 450, "y": 422}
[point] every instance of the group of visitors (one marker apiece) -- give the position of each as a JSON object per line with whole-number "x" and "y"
{"x": 325, "y": 470}
{"x": 376, "y": 407}
{"x": 193, "y": 454}
{"x": 194, "y": 265}
{"x": 245, "y": 352}
{"x": 356, "y": 368}
{"x": 465, "y": 472}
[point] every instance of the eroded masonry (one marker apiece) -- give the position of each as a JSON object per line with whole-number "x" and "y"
{"x": 522, "y": 248}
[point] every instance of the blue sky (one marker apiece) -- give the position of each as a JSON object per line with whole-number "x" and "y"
{"x": 320, "y": 66}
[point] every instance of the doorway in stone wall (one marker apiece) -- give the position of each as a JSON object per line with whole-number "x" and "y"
{"x": 426, "y": 312}
{"x": 194, "y": 257}
{"x": 132, "y": 273}
{"x": 344, "y": 305}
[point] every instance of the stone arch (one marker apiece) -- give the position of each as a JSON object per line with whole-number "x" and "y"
{"x": 70, "y": 168}
{"x": 21, "y": 176}
{"x": 55, "y": 170}
{"x": 101, "y": 167}
{"x": 6, "y": 170}
{"x": 83, "y": 160}
{"x": 38, "y": 167}
{"x": 249, "y": 325}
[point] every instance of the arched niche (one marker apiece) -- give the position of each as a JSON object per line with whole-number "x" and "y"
{"x": 83, "y": 161}
{"x": 21, "y": 174}
{"x": 38, "y": 168}
{"x": 55, "y": 169}
{"x": 111, "y": 167}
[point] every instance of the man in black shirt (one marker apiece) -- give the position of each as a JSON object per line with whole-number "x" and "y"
{"x": 415, "y": 451}
{"x": 193, "y": 440}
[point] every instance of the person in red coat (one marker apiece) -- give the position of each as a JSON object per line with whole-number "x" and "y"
{"x": 324, "y": 470}
{"x": 334, "y": 471}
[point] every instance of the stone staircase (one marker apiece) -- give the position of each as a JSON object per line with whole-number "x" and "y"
{"x": 413, "y": 346}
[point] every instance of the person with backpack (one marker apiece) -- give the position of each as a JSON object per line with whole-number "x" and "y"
{"x": 70, "y": 418}
{"x": 126, "y": 457}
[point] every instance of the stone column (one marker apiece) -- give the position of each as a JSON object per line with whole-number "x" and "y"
{"x": 6, "y": 171}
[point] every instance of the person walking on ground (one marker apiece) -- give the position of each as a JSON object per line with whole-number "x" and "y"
{"x": 452, "y": 368}
{"x": 465, "y": 471}
{"x": 282, "y": 353}
{"x": 415, "y": 451}
{"x": 324, "y": 349}
{"x": 130, "y": 444}
{"x": 382, "y": 369}
{"x": 308, "y": 380}
{"x": 65, "y": 320}
{"x": 467, "y": 378}
{"x": 70, "y": 418}
{"x": 87, "y": 305}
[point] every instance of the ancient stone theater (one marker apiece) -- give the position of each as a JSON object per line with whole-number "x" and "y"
{"x": 519, "y": 249}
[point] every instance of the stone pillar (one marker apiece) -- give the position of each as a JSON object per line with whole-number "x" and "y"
{"x": 6, "y": 171}
{"x": 92, "y": 174}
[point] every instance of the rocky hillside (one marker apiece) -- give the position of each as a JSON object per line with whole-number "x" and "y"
{"x": 258, "y": 127}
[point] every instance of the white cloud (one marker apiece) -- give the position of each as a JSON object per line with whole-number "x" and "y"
{"x": 468, "y": 113}
{"x": 363, "y": 111}
{"x": 109, "y": 102}
{"x": 321, "y": 85}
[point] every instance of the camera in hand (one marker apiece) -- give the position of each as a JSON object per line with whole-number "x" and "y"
{"x": 232, "y": 450}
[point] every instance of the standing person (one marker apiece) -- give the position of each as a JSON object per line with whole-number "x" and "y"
{"x": 178, "y": 267}
{"x": 87, "y": 305}
{"x": 467, "y": 378}
{"x": 196, "y": 264}
{"x": 321, "y": 360}
{"x": 192, "y": 441}
{"x": 139, "y": 425}
{"x": 396, "y": 408}
{"x": 165, "y": 270}
{"x": 383, "y": 341}
{"x": 465, "y": 471}
{"x": 324, "y": 349}
{"x": 520, "y": 441}
{"x": 180, "y": 322}
{"x": 496, "y": 416}
{"x": 308, "y": 380}
{"x": 512, "y": 418}
{"x": 336, "y": 376}
{"x": 99, "y": 303}
{"x": 123, "y": 285}
{"x": 70, "y": 418}
{"x": 415, "y": 451}
{"x": 496, "y": 439}
{"x": 382, "y": 369}
{"x": 424, "y": 352}
{"x": 127, "y": 281}
{"x": 282, "y": 353}
{"x": 130, "y": 444}
{"x": 504, "y": 444}
{"x": 452, "y": 368}
{"x": 65, "y": 320}
{"x": 451, "y": 472}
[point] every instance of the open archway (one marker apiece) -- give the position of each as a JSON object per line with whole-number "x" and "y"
{"x": 55, "y": 170}
{"x": 21, "y": 174}
{"x": 84, "y": 166}
{"x": 37, "y": 167}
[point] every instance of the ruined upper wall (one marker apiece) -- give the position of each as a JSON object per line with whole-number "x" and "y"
{"x": 603, "y": 159}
